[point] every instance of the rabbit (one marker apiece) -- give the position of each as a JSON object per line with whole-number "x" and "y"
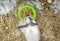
{"x": 30, "y": 29}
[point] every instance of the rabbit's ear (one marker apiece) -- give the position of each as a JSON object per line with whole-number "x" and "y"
{"x": 28, "y": 20}
{"x": 33, "y": 21}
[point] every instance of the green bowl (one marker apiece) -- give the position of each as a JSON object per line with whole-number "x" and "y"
{"x": 21, "y": 8}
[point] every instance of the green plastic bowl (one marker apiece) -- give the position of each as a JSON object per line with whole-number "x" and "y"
{"x": 21, "y": 8}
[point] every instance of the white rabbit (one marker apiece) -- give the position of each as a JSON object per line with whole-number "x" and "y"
{"x": 30, "y": 30}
